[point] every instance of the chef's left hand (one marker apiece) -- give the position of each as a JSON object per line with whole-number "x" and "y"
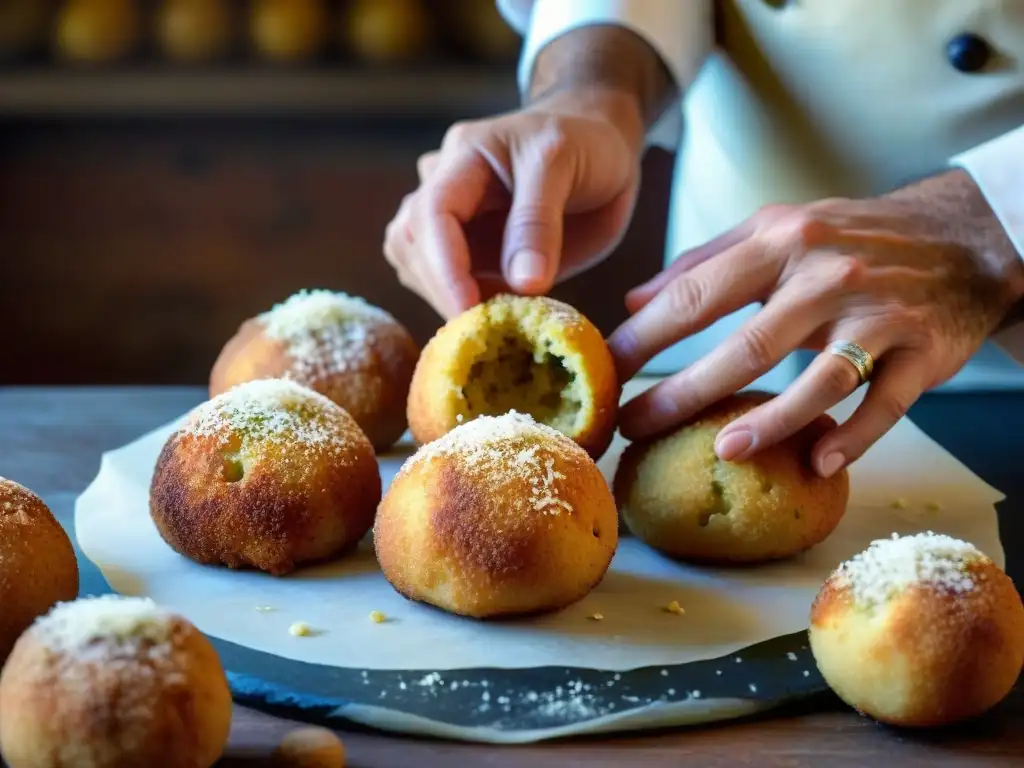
{"x": 919, "y": 278}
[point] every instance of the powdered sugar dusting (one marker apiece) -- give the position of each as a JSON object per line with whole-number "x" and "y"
{"x": 85, "y": 625}
{"x": 513, "y": 445}
{"x": 888, "y": 566}
{"x": 326, "y": 332}
{"x": 129, "y": 640}
{"x": 12, "y": 496}
{"x": 274, "y": 411}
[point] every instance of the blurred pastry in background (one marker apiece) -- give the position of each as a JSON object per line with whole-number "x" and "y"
{"x": 97, "y": 31}
{"x": 289, "y": 31}
{"x": 194, "y": 30}
{"x": 387, "y": 31}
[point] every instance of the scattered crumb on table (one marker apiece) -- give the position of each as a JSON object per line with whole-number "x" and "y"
{"x": 377, "y": 617}
{"x": 309, "y": 748}
{"x": 300, "y": 629}
{"x": 675, "y": 608}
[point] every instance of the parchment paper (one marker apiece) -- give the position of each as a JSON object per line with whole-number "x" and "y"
{"x": 725, "y": 610}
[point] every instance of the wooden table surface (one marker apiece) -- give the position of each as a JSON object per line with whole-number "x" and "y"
{"x": 51, "y": 441}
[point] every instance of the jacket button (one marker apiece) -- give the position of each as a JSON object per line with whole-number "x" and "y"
{"x": 968, "y": 52}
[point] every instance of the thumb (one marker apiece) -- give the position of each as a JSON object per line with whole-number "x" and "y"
{"x": 532, "y": 247}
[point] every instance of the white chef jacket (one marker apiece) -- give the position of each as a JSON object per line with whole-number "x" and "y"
{"x": 792, "y": 102}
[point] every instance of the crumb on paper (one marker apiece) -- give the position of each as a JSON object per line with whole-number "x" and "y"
{"x": 300, "y": 629}
{"x": 899, "y": 504}
{"x": 377, "y": 617}
{"x": 933, "y": 506}
{"x": 265, "y": 608}
{"x": 598, "y": 616}
{"x": 675, "y": 608}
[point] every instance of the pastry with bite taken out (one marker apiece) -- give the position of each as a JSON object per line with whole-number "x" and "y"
{"x": 532, "y": 355}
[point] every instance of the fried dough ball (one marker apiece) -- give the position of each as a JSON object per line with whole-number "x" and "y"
{"x": 677, "y": 496}
{"x": 269, "y": 475}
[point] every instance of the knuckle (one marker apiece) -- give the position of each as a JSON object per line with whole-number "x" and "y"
{"x": 845, "y": 274}
{"x": 685, "y": 296}
{"x": 531, "y": 218}
{"x": 807, "y": 230}
{"x": 839, "y": 379}
{"x": 893, "y": 406}
{"x": 459, "y": 133}
{"x": 757, "y": 348}
{"x": 425, "y": 165}
{"x": 915, "y": 328}
{"x": 771, "y": 212}
{"x": 551, "y": 141}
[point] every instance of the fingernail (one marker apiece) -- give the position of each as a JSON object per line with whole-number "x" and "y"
{"x": 525, "y": 268}
{"x": 733, "y": 444}
{"x": 831, "y": 464}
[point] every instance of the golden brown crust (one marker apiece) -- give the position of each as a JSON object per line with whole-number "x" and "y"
{"x": 471, "y": 541}
{"x": 291, "y": 507}
{"x": 928, "y": 656}
{"x": 677, "y": 496}
{"x": 435, "y": 405}
{"x": 115, "y": 710}
{"x": 38, "y": 567}
{"x": 374, "y": 390}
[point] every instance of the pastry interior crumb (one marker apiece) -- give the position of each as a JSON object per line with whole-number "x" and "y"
{"x": 520, "y": 361}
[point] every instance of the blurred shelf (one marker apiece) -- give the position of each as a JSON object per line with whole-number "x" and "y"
{"x": 426, "y": 93}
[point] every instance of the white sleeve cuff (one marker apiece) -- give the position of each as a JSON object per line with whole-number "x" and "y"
{"x": 998, "y": 169}
{"x": 680, "y": 31}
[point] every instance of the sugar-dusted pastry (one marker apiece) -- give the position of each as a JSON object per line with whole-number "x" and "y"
{"x": 113, "y": 681}
{"x": 356, "y": 354}
{"x": 501, "y": 516}
{"x": 269, "y": 475}
{"x": 920, "y": 630}
{"x": 38, "y": 567}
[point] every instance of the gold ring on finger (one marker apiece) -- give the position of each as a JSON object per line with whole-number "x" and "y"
{"x": 856, "y": 355}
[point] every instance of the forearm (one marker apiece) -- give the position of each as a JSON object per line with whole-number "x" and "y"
{"x": 608, "y": 68}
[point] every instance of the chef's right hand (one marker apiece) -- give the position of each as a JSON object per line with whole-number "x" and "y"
{"x": 518, "y": 202}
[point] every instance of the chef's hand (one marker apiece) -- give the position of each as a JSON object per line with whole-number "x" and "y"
{"x": 518, "y": 202}
{"x": 918, "y": 278}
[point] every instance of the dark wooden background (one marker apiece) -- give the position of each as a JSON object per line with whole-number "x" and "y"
{"x": 131, "y": 247}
